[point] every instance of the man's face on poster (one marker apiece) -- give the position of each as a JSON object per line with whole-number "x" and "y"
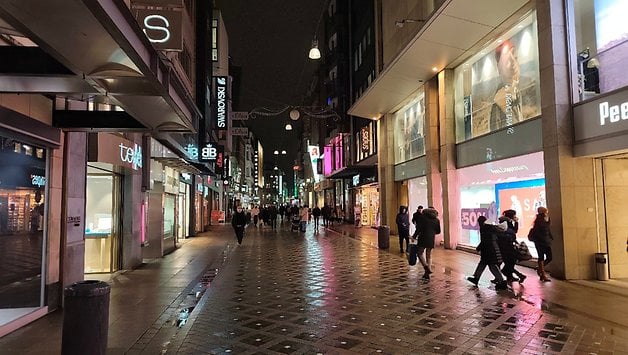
{"x": 507, "y": 63}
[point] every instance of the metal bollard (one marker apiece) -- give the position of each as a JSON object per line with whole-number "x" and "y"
{"x": 383, "y": 237}
{"x": 86, "y": 318}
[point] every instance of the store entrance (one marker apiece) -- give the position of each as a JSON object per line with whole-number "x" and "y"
{"x": 103, "y": 222}
{"x": 614, "y": 227}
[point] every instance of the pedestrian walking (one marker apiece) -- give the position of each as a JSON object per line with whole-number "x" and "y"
{"x": 427, "y": 226}
{"x": 542, "y": 237}
{"x": 316, "y": 213}
{"x": 506, "y": 241}
{"x": 305, "y": 214}
{"x": 238, "y": 221}
{"x": 272, "y": 215}
{"x": 416, "y": 214}
{"x": 282, "y": 211}
{"x": 403, "y": 228}
{"x": 255, "y": 214}
{"x": 326, "y": 213}
{"x": 489, "y": 253}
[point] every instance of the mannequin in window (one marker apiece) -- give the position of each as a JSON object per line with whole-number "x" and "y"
{"x": 507, "y": 105}
{"x": 588, "y": 68}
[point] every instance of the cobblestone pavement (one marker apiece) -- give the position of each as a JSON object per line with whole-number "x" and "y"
{"x": 286, "y": 292}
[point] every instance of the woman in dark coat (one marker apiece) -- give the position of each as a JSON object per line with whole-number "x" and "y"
{"x": 427, "y": 226}
{"x": 506, "y": 242}
{"x": 489, "y": 254}
{"x": 403, "y": 227}
{"x": 542, "y": 238}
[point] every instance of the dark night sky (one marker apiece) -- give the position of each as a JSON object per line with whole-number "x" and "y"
{"x": 270, "y": 41}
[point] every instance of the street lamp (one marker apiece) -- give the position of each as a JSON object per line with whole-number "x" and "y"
{"x": 295, "y": 112}
{"x": 315, "y": 53}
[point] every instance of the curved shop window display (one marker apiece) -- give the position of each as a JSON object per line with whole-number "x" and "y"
{"x": 499, "y": 86}
{"x": 23, "y": 182}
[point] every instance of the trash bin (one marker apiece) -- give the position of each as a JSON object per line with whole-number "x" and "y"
{"x": 86, "y": 318}
{"x": 601, "y": 266}
{"x": 383, "y": 237}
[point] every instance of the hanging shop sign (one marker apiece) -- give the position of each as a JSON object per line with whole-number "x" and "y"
{"x": 219, "y": 105}
{"x": 239, "y": 116}
{"x": 240, "y": 131}
{"x": 314, "y": 156}
{"x": 220, "y": 160}
{"x": 365, "y": 144}
{"x": 115, "y": 150}
{"x": 162, "y": 27}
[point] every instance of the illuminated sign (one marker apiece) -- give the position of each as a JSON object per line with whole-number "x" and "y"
{"x": 38, "y": 180}
{"x": 220, "y": 104}
{"x": 314, "y": 156}
{"x": 162, "y": 27}
{"x": 365, "y": 145}
{"x": 131, "y": 155}
{"x": 613, "y": 113}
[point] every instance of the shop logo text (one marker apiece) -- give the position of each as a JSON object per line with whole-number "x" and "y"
{"x": 614, "y": 113}
{"x": 221, "y": 96}
{"x": 131, "y": 155}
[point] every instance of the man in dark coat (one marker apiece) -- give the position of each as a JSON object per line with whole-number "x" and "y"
{"x": 238, "y": 221}
{"x": 403, "y": 227}
{"x": 489, "y": 254}
{"x": 427, "y": 226}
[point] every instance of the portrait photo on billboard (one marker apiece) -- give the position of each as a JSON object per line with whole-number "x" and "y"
{"x": 499, "y": 86}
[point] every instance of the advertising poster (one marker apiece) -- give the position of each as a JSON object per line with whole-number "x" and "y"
{"x": 611, "y": 32}
{"x": 505, "y": 83}
{"x": 524, "y": 198}
{"x": 409, "y": 131}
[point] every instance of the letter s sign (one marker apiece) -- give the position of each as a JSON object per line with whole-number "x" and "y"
{"x": 157, "y": 23}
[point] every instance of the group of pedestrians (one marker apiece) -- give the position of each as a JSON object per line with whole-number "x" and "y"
{"x": 498, "y": 243}
{"x": 266, "y": 215}
{"x": 497, "y": 246}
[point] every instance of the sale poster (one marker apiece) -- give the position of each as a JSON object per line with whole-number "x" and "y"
{"x": 469, "y": 217}
{"x": 524, "y": 201}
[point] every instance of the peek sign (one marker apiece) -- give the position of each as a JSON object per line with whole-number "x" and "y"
{"x": 601, "y": 125}
{"x": 162, "y": 27}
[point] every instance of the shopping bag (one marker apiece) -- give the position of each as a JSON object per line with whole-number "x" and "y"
{"x": 412, "y": 253}
{"x": 522, "y": 252}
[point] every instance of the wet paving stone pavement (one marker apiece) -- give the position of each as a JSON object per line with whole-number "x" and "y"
{"x": 288, "y": 293}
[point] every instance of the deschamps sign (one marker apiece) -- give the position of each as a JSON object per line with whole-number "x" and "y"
{"x": 598, "y": 121}
{"x": 220, "y": 104}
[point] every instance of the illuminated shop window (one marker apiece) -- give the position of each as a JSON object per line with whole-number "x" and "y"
{"x": 499, "y": 86}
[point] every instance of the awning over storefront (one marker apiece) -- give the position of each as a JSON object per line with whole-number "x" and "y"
{"x": 179, "y": 164}
{"x": 437, "y": 45}
{"x": 96, "y": 49}
{"x": 349, "y": 172}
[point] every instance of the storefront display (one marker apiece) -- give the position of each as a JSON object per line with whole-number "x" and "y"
{"x": 499, "y": 86}
{"x": 601, "y": 46}
{"x": 489, "y": 189}
{"x": 102, "y": 220}
{"x": 409, "y": 136}
{"x": 417, "y": 196}
{"x": 23, "y": 220}
{"x": 367, "y": 199}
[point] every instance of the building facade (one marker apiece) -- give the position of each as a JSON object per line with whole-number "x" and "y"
{"x": 475, "y": 130}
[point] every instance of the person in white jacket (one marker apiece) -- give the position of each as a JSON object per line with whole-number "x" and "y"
{"x": 304, "y": 212}
{"x": 255, "y": 215}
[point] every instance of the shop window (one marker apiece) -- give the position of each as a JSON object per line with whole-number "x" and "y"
{"x": 601, "y": 43}
{"x": 492, "y": 188}
{"x": 409, "y": 136}
{"x": 499, "y": 86}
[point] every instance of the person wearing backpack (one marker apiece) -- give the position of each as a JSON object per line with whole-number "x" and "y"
{"x": 542, "y": 237}
{"x": 506, "y": 241}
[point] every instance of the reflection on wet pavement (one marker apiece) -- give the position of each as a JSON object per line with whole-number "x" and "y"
{"x": 290, "y": 293}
